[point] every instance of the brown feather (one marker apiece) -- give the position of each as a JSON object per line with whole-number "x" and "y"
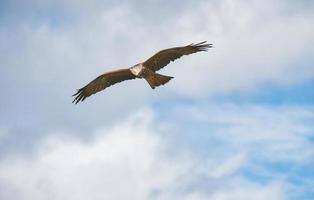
{"x": 164, "y": 57}
{"x": 102, "y": 82}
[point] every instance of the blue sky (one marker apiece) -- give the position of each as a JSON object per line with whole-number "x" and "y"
{"x": 235, "y": 122}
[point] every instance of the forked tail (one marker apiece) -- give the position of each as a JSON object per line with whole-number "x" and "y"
{"x": 155, "y": 80}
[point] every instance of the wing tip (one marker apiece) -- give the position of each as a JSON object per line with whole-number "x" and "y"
{"x": 78, "y": 96}
{"x": 202, "y": 46}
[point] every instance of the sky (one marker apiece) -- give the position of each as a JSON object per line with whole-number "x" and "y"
{"x": 236, "y": 122}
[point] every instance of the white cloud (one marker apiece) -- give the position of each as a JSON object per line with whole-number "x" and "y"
{"x": 135, "y": 158}
{"x": 127, "y": 161}
{"x": 255, "y": 43}
{"x": 45, "y": 59}
{"x": 228, "y": 166}
{"x": 282, "y": 132}
{"x": 263, "y": 143}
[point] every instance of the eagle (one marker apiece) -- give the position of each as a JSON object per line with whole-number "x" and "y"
{"x": 146, "y": 70}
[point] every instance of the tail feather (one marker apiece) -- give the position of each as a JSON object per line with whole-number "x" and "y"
{"x": 155, "y": 80}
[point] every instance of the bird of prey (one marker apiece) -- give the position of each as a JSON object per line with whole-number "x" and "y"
{"x": 146, "y": 70}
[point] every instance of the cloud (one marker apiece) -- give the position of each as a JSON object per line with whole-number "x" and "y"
{"x": 48, "y": 56}
{"x": 126, "y": 161}
{"x": 203, "y": 151}
{"x": 135, "y": 159}
{"x": 283, "y": 132}
{"x": 262, "y": 143}
{"x": 255, "y": 43}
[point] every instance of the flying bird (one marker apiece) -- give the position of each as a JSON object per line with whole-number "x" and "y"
{"x": 146, "y": 70}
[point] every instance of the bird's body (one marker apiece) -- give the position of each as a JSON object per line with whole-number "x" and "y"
{"x": 146, "y": 70}
{"x": 137, "y": 69}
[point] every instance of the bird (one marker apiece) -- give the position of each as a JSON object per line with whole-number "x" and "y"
{"x": 145, "y": 70}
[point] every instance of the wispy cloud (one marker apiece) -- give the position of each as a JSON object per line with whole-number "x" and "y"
{"x": 254, "y": 43}
{"x": 132, "y": 160}
{"x": 269, "y": 143}
{"x": 285, "y": 129}
{"x": 44, "y": 62}
{"x": 197, "y": 150}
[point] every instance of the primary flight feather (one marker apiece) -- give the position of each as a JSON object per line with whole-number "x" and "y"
{"x": 144, "y": 70}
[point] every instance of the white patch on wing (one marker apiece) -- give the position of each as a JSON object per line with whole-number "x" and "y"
{"x": 136, "y": 69}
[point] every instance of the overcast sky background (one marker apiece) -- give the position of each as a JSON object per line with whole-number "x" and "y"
{"x": 236, "y": 122}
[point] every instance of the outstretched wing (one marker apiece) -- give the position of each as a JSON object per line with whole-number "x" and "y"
{"x": 164, "y": 57}
{"x": 102, "y": 82}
